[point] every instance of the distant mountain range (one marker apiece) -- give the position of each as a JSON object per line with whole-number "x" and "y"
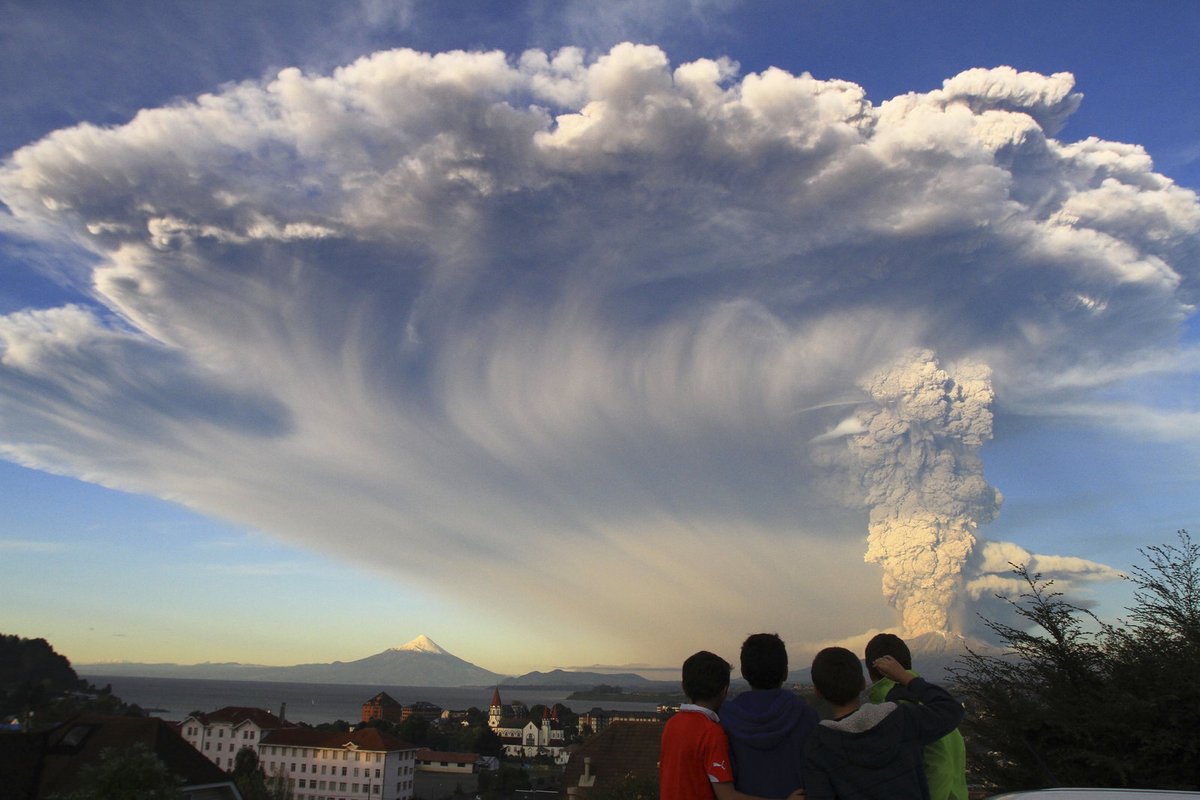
{"x": 420, "y": 662}
{"x": 563, "y": 679}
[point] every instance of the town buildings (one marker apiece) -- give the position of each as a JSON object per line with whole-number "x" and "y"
{"x": 441, "y": 761}
{"x": 623, "y": 757}
{"x": 382, "y": 706}
{"x": 218, "y": 735}
{"x": 55, "y": 763}
{"x": 598, "y": 719}
{"x": 524, "y": 737}
{"x": 365, "y": 764}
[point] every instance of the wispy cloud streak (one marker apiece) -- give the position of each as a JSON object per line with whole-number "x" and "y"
{"x": 490, "y": 315}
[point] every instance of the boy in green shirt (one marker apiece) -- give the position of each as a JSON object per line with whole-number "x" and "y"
{"x": 945, "y": 759}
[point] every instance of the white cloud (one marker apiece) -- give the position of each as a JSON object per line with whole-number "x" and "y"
{"x": 509, "y": 324}
{"x": 995, "y": 561}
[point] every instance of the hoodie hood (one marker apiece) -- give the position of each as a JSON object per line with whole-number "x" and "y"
{"x": 869, "y": 738}
{"x": 762, "y": 718}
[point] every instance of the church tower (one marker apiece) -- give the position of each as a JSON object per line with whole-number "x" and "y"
{"x": 495, "y": 710}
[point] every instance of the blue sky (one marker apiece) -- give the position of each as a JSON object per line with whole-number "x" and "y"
{"x": 507, "y": 349}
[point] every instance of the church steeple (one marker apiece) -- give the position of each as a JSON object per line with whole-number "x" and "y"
{"x": 496, "y": 710}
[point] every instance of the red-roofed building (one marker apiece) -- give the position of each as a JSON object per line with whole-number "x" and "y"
{"x": 438, "y": 761}
{"x": 53, "y": 763}
{"x": 382, "y": 706}
{"x": 366, "y": 764}
{"x": 218, "y": 735}
{"x": 623, "y": 755}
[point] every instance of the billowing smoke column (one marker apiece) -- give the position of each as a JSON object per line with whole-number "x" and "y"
{"x": 917, "y": 463}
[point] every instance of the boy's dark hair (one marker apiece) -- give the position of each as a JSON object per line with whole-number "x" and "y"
{"x": 764, "y": 661}
{"x": 705, "y": 675}
{"x": 887, "y": 644}
{"x": 837, "y": 674}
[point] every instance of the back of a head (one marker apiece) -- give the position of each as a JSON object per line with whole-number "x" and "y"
{"x": 888, "y": 644}
{"x": 705, "y": 676}
{"x": 837, "y": 674}
{"x": 764, "y": 661}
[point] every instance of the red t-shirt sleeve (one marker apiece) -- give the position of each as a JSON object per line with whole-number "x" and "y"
{"x": 716, "y": 755}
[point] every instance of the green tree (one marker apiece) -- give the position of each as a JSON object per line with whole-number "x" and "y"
{"x": 1078, "y": 702}
{"x": 40, "y": 686}
{"x": 1154, "y": 685}
{"x": 32, "y": 675}
{"x": 414, "y": 730}
{"x": 278, "y": 786}
{"x": 486, "y": 742}
{"x": 248, "y": 775}
{"x": 132, "y": 773}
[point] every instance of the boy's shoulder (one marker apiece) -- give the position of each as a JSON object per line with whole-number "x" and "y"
{"x": 694, "y": 718}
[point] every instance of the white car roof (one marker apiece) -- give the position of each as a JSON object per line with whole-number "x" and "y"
{"x": 1106, "y": 794}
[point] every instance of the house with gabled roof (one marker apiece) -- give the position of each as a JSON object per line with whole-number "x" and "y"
{"x": 218, "y": 735}
{"x": 624, "y": 754}
{"x": 366, "y": 763}
{"x": 54, "y": 763}
{"x": 443, "y": 761}
{"x": 382, "y": 706}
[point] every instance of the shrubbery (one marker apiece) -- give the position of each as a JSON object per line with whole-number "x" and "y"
{"x": 1084, "y": 703}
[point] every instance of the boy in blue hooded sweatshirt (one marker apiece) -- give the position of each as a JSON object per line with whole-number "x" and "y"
{"x": 767, "y": 726}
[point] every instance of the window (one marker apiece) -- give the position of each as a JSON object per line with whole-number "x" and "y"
{"x": 354, "y": 788}
{"x": 302, "y": 784}
{"x": 376, "y": 773}
{"x": 356, "y": 772}
{"x": 221, "y": 733}
{"x": 375, "y": 789}
{"x": 206, "y": 744}
{"x": 303, "y": 767}
{"x": 343, "y": 770}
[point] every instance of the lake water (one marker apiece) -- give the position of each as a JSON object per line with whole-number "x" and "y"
{"x": 314, "y": 703}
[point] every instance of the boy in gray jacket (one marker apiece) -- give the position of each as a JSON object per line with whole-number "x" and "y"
{"x": 873, "y": 752}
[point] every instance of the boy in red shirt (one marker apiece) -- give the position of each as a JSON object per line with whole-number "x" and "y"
{"x": 694, "y": 763}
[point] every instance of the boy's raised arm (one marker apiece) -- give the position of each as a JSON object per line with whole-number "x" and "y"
{"x": 939, "y": 713}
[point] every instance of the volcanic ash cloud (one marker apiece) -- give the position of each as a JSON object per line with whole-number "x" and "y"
{"x": 914, "y": 459}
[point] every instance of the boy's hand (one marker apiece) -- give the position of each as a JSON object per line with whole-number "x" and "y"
{"x": 797, "y": 795}
{"x": 890, "y": 668}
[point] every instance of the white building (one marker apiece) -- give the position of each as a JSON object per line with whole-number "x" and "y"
{"x": 522, "y": 737}
{"x": 442, "y": 761}
{"x": 218, "y": 735}
{"x": 366, "y": 764}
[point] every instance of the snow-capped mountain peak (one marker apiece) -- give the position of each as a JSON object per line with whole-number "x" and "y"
{"x": 423, "y": 644}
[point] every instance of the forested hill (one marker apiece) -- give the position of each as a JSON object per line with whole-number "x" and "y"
{"x": 40, "y": 684}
